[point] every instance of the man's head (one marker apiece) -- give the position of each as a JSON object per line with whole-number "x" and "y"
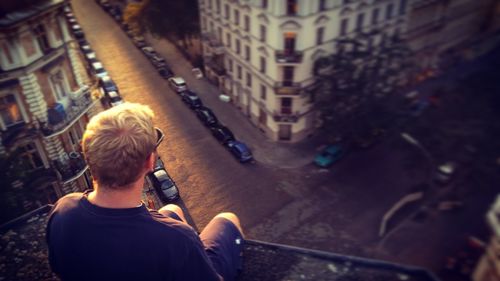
{"x": 118, "y": 144}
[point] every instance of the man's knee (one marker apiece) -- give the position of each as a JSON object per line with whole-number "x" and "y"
{"x": 172, "y": 208}
{"x": 231, "y": 217}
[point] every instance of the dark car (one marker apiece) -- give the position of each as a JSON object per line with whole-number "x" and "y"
{"x": 207, "y": 116}
{"x": 191, "y": 99}
{"x": 164, "y": 185}
{"x": 165, "y": 72}
{"x": 106, "y": 84}
{"x": 139, "y": 41}
{"x": 239, "y": 150}
{"x": 157, "y": 61}
{"x": 222, "y": 134}
{"x": 158, "y": 164}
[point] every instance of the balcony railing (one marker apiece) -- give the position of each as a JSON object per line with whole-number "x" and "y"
{"x": 72, "y": 168}
{"x": 285, "y": 116}
{"x": 287, "y": 88}
{"x": 288, "y": 56}
{"x": 215, "y": 67}
{"x": 213, "y": 42}
{"x": 81, "y": 102}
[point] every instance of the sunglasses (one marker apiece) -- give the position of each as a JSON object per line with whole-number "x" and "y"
{"x": 159, "y": 136}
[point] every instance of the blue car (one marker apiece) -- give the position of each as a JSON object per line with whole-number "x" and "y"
{"x": 329, "y": 155}
{"x": 239, "y": 150}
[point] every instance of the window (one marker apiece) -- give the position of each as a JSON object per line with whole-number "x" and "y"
{"x": 359, "y": 22}
{"x": 30, "y": 156}
{"x": 41, "y": 37}
{"x": 219, "y": 33}
{"x": 9, "y": 111}
{"x": 288, "y": 75}
{"x": 286, "y": 105}
{"x": 322, "y": 5}
{"x": 57, "y": 80}
{"x": 264, "y": 4}
{"x": 212, "y": 26}
{"x": 210, "y": 4}
{"x": 247, "y": 53}
{"x": 262, "y": 33}
{"x": 226, "y": 8}
{"x": 217, "y": 6}
{"x": 388, "y": 11}
{"x": 203, "y": 23}
{"x": 289, "y": 42}
{"x": 263, "y": 92}
{"x": 57, "y": 31}
{"x": 238, "y": 46}
{"x": 230, "y": 65}
{"x": 344, "y": 24}
{"x": 402, "y": 7}
{"x": 7, "y": 53}
{"x": 319, "y": 35}
{"x": 249, "y": 79}
{"x": 247, "y": 23}
{"x": 236, "y": 17}
{"x": 239, "y": 71}
{"x": 263, "y": 65}
{"x": 291, "y": 7}
{"x": 375, "y": 16}
{"x": 228, "y": 40}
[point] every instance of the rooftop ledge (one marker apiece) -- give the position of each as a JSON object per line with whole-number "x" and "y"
{"x": 23, "y": 256}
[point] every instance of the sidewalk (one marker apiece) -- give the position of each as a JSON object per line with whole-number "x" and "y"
{"x": 265, "y": 151}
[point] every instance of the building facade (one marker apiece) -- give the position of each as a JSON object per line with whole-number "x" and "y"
{"x": 45, "y": 101}
{"x": 488, "y": 268}
{"x": 261, "y": 53}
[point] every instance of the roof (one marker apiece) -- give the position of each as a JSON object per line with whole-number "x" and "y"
{"x": 23, "y": 244}
{"x": 16, "y": 16}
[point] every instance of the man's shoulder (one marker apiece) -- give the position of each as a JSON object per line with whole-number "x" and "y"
{"x": 172, "y": 227}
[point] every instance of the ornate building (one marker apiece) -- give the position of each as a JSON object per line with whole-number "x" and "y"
{"x": 45, "y": 101}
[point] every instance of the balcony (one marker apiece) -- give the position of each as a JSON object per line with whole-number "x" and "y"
{"x": 288, "y": 56}
{"x": 60, "y": 119}
{"x": 72, "y": 168}
{"x": 213, "y": 42}
{"x": 287, "y": 88}
{"x": 215, "y": 67}
{"x": 286, "y": 116}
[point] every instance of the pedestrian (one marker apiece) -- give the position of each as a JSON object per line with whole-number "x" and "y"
{"x": 109, "y": 234}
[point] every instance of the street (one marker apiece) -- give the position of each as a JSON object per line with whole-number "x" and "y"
{"x": 281, "y": 197}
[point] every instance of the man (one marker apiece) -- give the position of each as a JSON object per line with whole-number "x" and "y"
{"x": 109, "y": 234}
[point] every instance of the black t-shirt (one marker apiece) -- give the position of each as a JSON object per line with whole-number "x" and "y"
{"x": 87, "y": 242}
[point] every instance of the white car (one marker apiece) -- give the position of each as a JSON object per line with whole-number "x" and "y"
{"x": 178, "y": 84}
{"x": 114, "y": 99}
{"x": 445, "y": 173}
{"x": 99, "y": 70}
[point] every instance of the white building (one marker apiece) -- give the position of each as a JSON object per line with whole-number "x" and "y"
{"x": 261, "y": 53}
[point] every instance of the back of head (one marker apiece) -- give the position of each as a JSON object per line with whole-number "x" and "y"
{"x": 117, "y": 144}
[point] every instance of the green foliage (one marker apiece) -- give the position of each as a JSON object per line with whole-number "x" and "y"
{"x": 170, "y": 18}
{"x": 355, "y": 82}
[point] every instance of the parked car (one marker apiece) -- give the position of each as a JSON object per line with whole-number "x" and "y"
{"x": 329, "y": 155}
{"x": 222, "y": 134}
{"x": 445, "y": 172}
{"x": 191, "y": 99}
{"x": 207, "y": 116}
{"x": 72, "y": 20}
{"x": 113, "y": 99}
{"x": 139, "y": 41}
{"x": 158, "y": 164}
{"x": 91, "y": 57}
{"x": 106, "y": 84}
{"x": 157, "y": 61}
{"x": 98, "y": 69}
{"x": 67, "y": 9}
{"x": 78, "y": 33}
{"x": 164, "y": 185}
{"x": 165, "y": 72}
{"x": 239, "y": 150}
{"x": 177, "y": 84}
{"x": 148, "y": 51}
{"x": 86, "y": 48}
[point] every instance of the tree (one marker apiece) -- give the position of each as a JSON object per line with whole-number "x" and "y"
{"x": 355, "y": 82}
{"x": 163, "y": 18}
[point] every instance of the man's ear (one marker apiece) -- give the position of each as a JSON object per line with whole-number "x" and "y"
{"x": 150, "y": 163}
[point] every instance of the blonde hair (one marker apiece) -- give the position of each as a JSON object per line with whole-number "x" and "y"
{"x": 117, "y": 144}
